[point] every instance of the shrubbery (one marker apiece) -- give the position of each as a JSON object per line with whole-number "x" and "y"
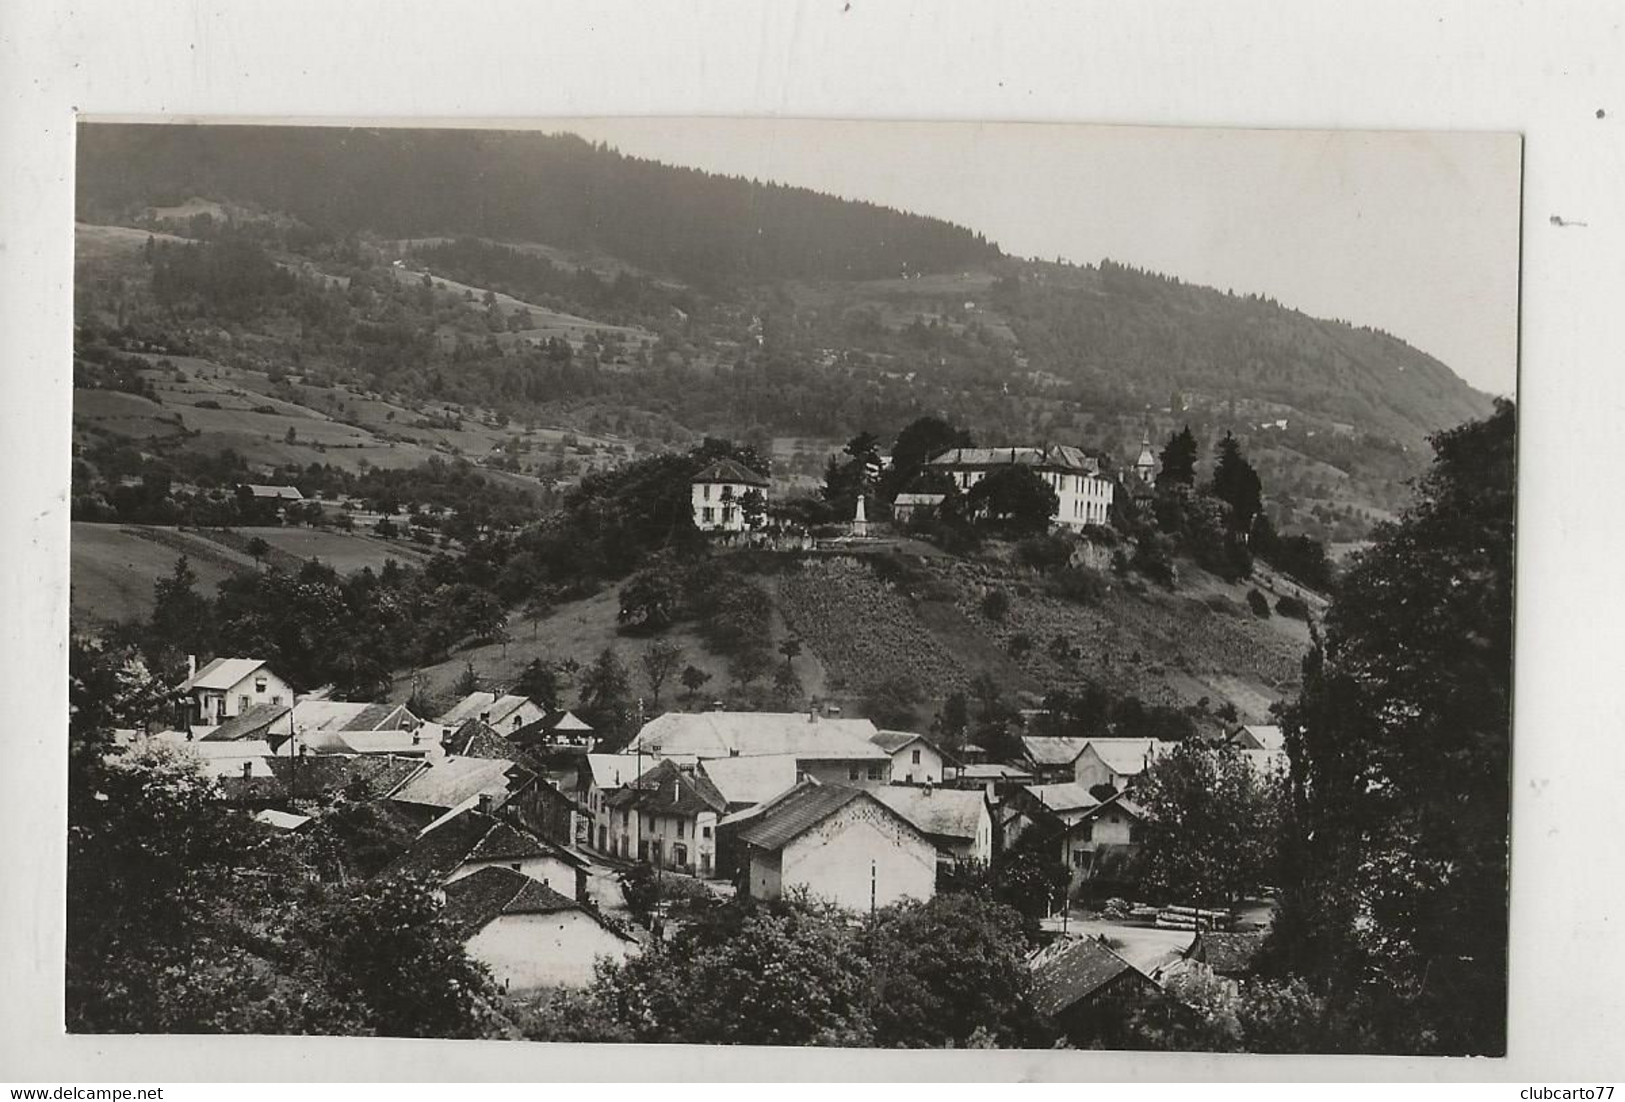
{"x": 1259, "y": 604}
{"x": 1294, "y": 607}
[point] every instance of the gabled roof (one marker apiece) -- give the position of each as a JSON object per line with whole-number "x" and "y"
{"x": 221, "y": 674}
{"x": 467, "y": 708}
{"x": 319, "y": 776}
{"x": 1049, "y": 457}
{"x": 480, "y": 898}
{"x": 669, "y": 790}
{"x": 478, "y": 739}
{"x": 941, "y": 812}
{"x": 1128, "y": 756}
{"x": 918, "y": 499}
{"x": 280, "y": 493}
{"x": 728, "y": 470}
{"x": 1048, "y": 751}
{"x": 227, "y": 759}
{"x": 800, "y": 810}
{"x": 255, "y": 723}
{"x": 893, "y": 741}
{"x": 748, "y": 734}
{"x": 1118, "y": 802}
{"x": 471, "y": 835}
{"x": 1226, "y": 953}
{"x": 1259, "y": 737}
{"x": 454, "y": 781}
{"x": 563, "y": 724}
{"x": 749, "y": 781}
{"x": 610, "y": 771}
{"x": 281, "y": 820}
{"x": 1070, "y": 974}
{"x": 994, "y": 771}
{"x": 1063, "y": 799}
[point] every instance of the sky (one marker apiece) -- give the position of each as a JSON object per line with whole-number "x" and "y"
{"x": 1413, "y": 233}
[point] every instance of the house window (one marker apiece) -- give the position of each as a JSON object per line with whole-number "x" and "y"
{"x": 259, "y": 684}
{"x": 877, "y": 772}
{"x": 679, "y": 855}
{"x": 705, "y": 832}
{"x": 852, "y": 773}
{"x": 680, "y": 827}
{"x": 276, "y": 699}
{"x": 707, "y": 493}
{"x": 1079, "y": 858}
{"x": 916, "y": 759}
{"x": 242, "y": 703}
{"x": 708, "y": 513}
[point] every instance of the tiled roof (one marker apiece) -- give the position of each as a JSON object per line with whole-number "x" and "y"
{"x": 1119, "y": 801}
{"x": 800, "y": 811}
{"x": 252, "y": 724}
{"x": 454, "y": 781}
{"x": 471, "y": 836}
{"x": 1053, "y": 751}
{"x": 729, "y": 470}
{"x": 750, "y": 780}
{"x": 668, "y": 790}
{"x": 1227, "y": 954}
{"x": 478, "y": 739}
{"x": 1067, "y": 975}
{"x": 319, "y": 776}
{"x": 1056, "y": 457}
{"x": 747, "y": 734}
{"x": 221, "y": 674}
{"x": 944, "y": 812}
{"x": 281, "y": 493}
{"x": 1260, "y": 736}
{"x": 474, "y": 901}
{"x": 1063, "y": 798}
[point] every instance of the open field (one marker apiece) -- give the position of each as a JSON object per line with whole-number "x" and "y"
{"x": 113, "y": 566}
{"x": 549, "y": 323}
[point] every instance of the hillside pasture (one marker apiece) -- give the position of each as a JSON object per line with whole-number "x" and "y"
{"x": 112, "y": 568}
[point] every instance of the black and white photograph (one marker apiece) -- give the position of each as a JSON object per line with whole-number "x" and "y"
{"x": 769, "y": 582}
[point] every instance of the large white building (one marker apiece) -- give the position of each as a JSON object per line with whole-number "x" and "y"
{"x": 1084, "y": 495}
{"x": 716, "y": 492}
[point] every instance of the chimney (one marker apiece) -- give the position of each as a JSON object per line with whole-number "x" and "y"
{"x": 812, "y": 713}
{"x": 191, "y": 666}
{"x": 927, "y": 788}
{"x": 485, "y": 717}
{"x": 487, "y": 803}
{"x": 248, "y": 770}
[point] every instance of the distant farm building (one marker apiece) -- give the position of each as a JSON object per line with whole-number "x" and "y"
{"x": 1083, "y": 494}
{"x": 717, "y": 491}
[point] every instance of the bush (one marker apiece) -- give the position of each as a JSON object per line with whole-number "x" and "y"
{"x": 1293, "y": 607}
{"x": 996, "y": 605}
{"x": 207, "y": 403}
{"x": 1259, "y": 604}
{"x": 1078, "y": 583}
{"x": 1044, "y": 553}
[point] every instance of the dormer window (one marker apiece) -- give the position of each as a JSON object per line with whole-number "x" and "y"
{"x": 259, "y": 684}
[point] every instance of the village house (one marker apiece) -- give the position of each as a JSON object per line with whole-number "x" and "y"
{"x": 956, "y": 820}
{"x": 1231, "y": 955}
{"x": 277, "y": 722}
{"x": 266, "y": 504}
{"x": 600, "y": 776}
{"x": 839, "y": 844}
{"x": 1258, "y": 737}
{"x": 1083, "y": 494}
{"x": 478, "y": 739}
{"x": 228, "y": 687}
{"x": 1087, "y": 990}
{"x": 1101, "y": 842}
{"x": 827, "y": 749}
{"x": 1116, "y": 761}
{"x": 465, "y": 841}
{"x": 716, "y": 492}
{"x": 1054, "y": 759}
{"x": 528, "y": 934}
{"x": 915, "y": 759}
{"x": 507, "y": 713}
{"x": 667, "y": 817}
{"x": 1047, "y": 808}
{"x": 456, "y": 783}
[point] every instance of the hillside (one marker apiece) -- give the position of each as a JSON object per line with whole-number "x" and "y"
{"x": 537, "y": 279}
{"x": 865, "y": 631}
{"x": 522, "y": 186}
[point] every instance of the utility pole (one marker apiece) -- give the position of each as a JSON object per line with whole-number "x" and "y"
{"x": 872, "y": 879}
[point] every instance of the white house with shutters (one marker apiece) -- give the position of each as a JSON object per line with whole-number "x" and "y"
{"x": 1083, "y": 495}
{"x": 228, "y": 687}
{"x": 716, "y": 492}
